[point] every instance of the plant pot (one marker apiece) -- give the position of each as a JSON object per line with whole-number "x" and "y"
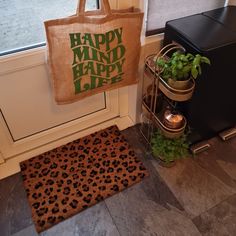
{"x": 163, "y": 163}
{"x": 179, "y": 84}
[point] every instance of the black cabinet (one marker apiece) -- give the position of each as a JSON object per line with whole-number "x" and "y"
{"x": 212, "y": 108}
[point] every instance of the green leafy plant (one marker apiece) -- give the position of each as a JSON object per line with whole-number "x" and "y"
{"x": 168, "y": 149}
{"x": 181, "y": 66}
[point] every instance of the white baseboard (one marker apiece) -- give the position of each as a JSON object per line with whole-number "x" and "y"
{"x": 11, "y": 165}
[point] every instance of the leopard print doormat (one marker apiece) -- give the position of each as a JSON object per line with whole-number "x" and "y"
{"x": 70, "y": 178}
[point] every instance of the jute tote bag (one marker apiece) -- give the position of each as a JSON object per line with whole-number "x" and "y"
{"x": 93, "y": 51}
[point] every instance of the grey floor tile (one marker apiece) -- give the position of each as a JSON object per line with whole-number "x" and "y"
{"x": 15, "y": 212}
{"x": 225, "y": 150}
{"x": 29, "y": 231}
{"x": 194, "y": 187}
{"x": 154, "y": 187}
{"x": 220, "y": 220}
{"x": 157, "y": 190}
{"x": 232, "y": 142}
{"x": 229, "y": 168}
{"x": 135, "y": 213}
{"x": 220, "y": 161}
{"x": 93, "y": 221}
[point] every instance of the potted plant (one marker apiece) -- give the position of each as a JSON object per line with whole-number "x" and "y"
{"x": 180, "y": 68}
{"x": 168, "y": 150}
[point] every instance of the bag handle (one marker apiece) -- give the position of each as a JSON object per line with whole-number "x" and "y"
{"x": 105, "y": 6}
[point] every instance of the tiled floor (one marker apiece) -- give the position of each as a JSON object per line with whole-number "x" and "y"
{"x": 196, "y": 197}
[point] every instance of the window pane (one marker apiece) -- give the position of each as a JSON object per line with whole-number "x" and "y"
{"x": 160, "y": 11}
{"x": 21, "y": 21}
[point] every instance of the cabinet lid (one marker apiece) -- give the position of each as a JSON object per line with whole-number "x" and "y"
{"x": 225, "y": 16}
{"x": 203, "y": 32}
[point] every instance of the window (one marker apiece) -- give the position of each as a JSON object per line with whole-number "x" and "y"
{"x": 21, "y": 21}
{"x": 160, "y": 11}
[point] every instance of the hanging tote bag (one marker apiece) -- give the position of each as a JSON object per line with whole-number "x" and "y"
{"x": 93, "y": 51}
